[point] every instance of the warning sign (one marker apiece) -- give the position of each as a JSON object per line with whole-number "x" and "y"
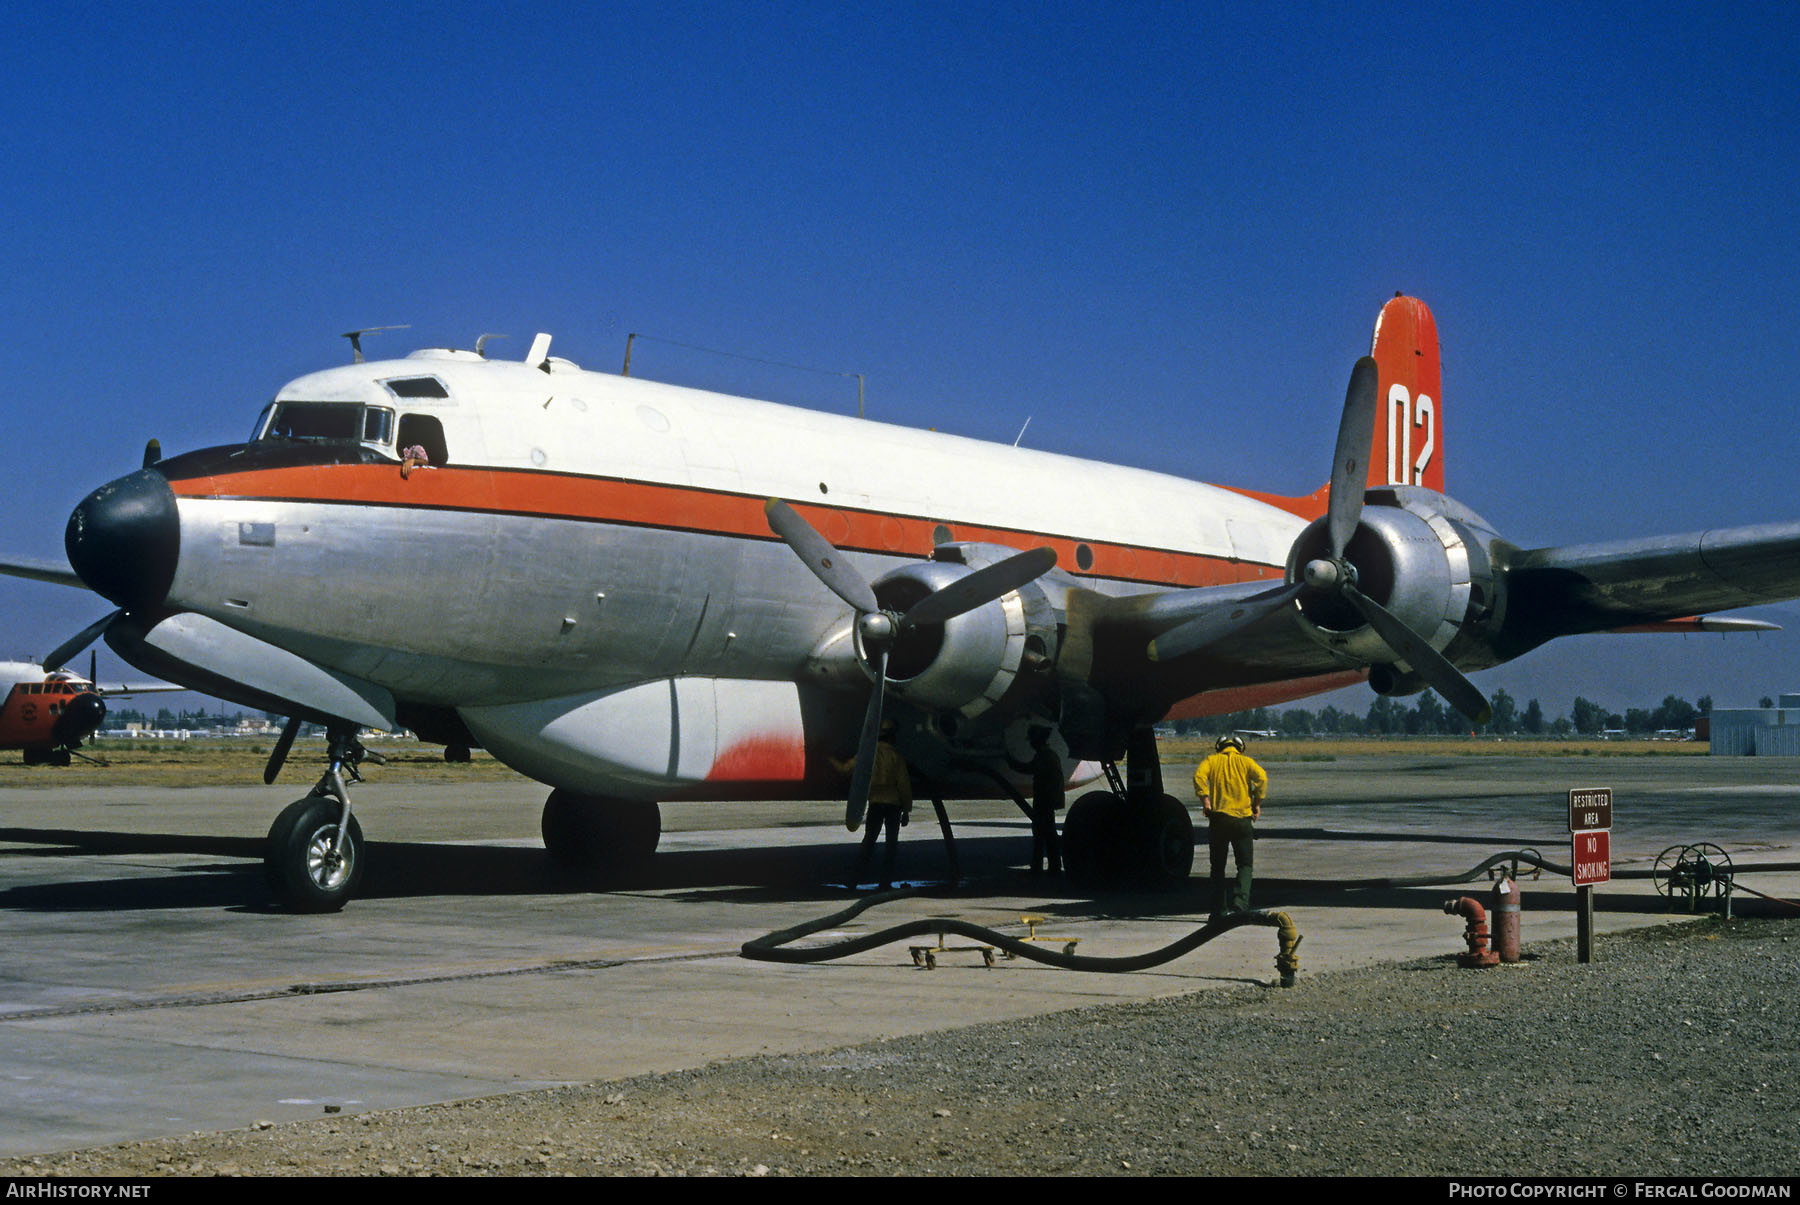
{"x": 1590, "y": 858}
{"x": 1590, "y": 808}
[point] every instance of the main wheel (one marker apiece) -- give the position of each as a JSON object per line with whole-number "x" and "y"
{"x": 1090, "y": 839}
{"x": 1162, "y": 846}
{"x": 1121, "y": 843}
{"x": 593, "y": 834}
{"x": 308, "y": 867}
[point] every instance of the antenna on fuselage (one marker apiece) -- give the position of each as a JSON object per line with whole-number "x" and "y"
{"x": 355, "y": 337}
{"x": 481, "y": 344}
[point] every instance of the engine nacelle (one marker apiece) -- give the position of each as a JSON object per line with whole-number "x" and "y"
{"x": 972, "y": 661}
{"x": 1422, "y": 557}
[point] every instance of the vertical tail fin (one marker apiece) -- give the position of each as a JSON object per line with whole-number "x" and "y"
{"x": 1409, "y": 432}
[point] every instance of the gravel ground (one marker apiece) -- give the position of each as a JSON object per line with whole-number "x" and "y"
{"x": 1677, "y": 1053}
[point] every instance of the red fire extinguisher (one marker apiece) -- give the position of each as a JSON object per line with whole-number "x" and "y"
{"x": 1506, "y": 918}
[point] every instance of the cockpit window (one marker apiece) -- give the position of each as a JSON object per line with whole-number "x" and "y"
{"x": 326, "y": 422}
{"x": 378, "y": 425}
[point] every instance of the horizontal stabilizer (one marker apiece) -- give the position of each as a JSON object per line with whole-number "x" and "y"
{"x": 1700, "y": 623}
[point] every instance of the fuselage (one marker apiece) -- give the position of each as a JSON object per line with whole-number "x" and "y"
{"x": 586, "y": 530}
{"x": 577, "y": 571}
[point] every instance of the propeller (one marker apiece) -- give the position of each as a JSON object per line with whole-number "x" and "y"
{"x": 60, "y": 655}
{"x": 1334, "y": 573}
{"x": 880, "y": 630}
{"x": 279, "y": 757}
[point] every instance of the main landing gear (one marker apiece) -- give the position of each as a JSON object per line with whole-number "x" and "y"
{"x": 314, "y": 855}
{"x": 1133, "y": 836}
{"x": 597, "y": 836}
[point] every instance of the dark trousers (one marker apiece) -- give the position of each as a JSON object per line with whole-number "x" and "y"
{"x": 1235, "y": 835}
{"x": 1045, "y": 843}
{"x": 881, "y": 815}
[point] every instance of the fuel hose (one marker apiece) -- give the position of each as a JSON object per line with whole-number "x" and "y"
{"x": 777, "y": 947}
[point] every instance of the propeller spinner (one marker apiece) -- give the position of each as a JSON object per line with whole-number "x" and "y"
{"x": 879, "y": 630}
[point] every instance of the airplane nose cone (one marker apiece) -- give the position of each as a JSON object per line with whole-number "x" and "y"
{"x": 80, "y": 719}
{"x": 123, "y": 539}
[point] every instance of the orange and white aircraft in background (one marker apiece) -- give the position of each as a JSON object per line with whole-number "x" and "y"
{"x": 635, "y": 592}
{"x": 48, "y": 713}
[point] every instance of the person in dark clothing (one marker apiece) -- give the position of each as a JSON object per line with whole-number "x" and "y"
{"x": 890, "y": 806}
{"x": 1047, "y": 780}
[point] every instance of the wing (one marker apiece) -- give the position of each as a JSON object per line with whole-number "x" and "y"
{"x": 1229, "y": 637}
{"x": 1579, "y": 588}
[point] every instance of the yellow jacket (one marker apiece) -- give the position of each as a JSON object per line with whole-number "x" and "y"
{"x": 889, "y": 781}
{"x": 1230, "y": 783}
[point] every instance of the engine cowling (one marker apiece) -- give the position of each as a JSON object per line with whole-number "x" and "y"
{"x": 1423, "y": 557}
{"x": 969, "y": 663}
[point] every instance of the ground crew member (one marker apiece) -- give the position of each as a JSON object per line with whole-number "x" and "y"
{"x": 1047, "y": 779}
{"x": 1231, "y": 788}
{"x": 890, "y": 806}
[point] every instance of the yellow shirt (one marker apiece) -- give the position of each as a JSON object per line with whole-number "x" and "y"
{"x": 889, "y": 781}
{"x": 1232, "y": 782}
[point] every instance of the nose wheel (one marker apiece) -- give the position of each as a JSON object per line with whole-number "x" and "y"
{"x": 313, "y": 862}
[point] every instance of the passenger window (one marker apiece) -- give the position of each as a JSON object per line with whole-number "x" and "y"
{"x": 425, "y": 431}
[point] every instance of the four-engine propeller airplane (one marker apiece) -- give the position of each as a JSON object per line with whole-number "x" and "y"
{"x": 634, "y": 592}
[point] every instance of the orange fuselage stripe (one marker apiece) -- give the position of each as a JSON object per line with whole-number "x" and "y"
{"x": 689, "y": 508}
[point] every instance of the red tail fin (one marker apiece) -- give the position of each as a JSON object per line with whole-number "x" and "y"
{"x": 1409, "y": 430}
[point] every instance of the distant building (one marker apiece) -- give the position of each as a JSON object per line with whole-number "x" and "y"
{"x": 1757, "y": 731}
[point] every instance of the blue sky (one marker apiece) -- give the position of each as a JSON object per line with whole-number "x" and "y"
{"x": 1161, "y": 232}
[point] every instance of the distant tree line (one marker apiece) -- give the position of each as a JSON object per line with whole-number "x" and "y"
{"x": 1429, "y": 715}
{"x": 163, "y": 717}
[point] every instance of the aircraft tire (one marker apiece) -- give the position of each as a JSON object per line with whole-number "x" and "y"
{"x": 1090, "y": 839}
{"x": 301, "y": 872}
{"x": 592, "y": 834}
{"x": 1163, "y": 846}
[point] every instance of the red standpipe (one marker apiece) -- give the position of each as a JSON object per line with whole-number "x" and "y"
{"x": 1476, "y": 932}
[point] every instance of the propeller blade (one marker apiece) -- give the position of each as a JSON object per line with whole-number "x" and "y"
{"x": 1203, "y": 630}
{"x": 278, "y": 758}
{"x": 68, "y": 648}
{"x": 152, "y": 452}
{"x": 980, "y": 587}
{"x": 1426, "y": 661}
{"x": 864, "y": 772}
{"x": 1349, "y": 469}
{"x": 825, "y": 561}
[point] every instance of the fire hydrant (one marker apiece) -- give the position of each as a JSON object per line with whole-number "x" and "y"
{"x": 1475, "y": 933}
{"x": 1506, "y": 918}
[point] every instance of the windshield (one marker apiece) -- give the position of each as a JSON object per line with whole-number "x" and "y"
{"x": 326, "y": 422}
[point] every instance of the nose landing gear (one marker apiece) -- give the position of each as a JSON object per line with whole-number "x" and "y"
{"x": 314, "y": 855}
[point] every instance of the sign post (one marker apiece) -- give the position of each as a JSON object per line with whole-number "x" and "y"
{"x": 1590, "y": 858}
